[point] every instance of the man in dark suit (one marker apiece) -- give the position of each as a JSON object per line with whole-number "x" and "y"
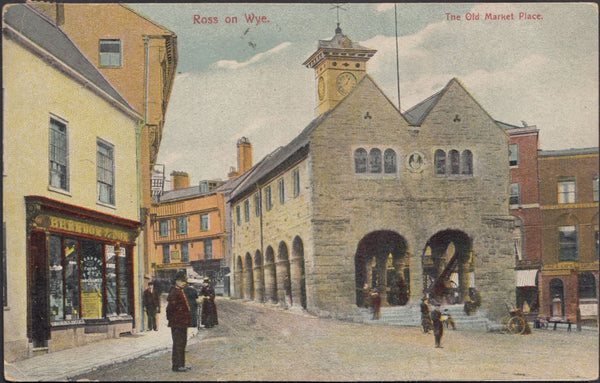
{"x": 152, "y": 305}
{"x": 438, "y": 325}
{"x": 179, "y": 317}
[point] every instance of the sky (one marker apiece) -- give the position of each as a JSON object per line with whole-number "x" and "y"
{"x": 246, "y": 78}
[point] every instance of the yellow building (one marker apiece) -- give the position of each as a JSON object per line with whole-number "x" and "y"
{"x": 139, "y": 57}
{"x": 71, "y": 203}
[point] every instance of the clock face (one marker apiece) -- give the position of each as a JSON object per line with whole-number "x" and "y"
{"x": 345, "y": 82}
{"x": 321, "y": 88}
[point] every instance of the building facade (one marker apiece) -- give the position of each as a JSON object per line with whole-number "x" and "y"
{"x": 569, "y": 205}
{"x": 139, "y": 57}
{"x": 368, "y": 195}
{"x": 70, "y": 205}
{"x": 525, "y": 206}
{"x": 188, "y": 231}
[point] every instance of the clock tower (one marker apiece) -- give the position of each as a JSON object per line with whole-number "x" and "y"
{"x": 339, "y": 65}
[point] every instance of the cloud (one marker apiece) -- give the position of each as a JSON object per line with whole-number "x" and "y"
{"x": 233, "y": 64}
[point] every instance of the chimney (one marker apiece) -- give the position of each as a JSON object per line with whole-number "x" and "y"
{"x": 181, "y": 180}
{"x": 244, "y": 155}
{"x": 232, "y": 173}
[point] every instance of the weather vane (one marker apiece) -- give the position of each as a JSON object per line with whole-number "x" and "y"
{"x": 338, "y": 6}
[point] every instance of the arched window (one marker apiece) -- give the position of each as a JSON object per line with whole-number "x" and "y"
{"x": 440, "y": 162}
{"x": 389, "y": 161}
{"x": 454, "y": 161}
{"x": 467, "y": 162}
{"x": 360, "y": 160}
{"x": 375, "y": 161}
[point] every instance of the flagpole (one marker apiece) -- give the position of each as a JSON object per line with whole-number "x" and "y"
{"x": 397, "y": 58}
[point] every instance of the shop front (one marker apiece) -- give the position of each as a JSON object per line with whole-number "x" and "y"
{"x": 80, "y": 274}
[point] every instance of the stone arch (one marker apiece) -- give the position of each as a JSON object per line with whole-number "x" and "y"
{"x": 567, "y": 219}
{"x": 557, "y": 296}
{"x": 248, "y": 277}
{"x": 270, "y": 276}
{"x": 284, "y": 283}
{"x": 239, "y": 278}
{"x": 458, "y": 282}
{"x": 297, "y": 273}
{"x": 382, "y": 261}
{"x": 259, "y": 277}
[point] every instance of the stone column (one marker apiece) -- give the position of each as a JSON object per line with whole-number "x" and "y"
{"x": 296, "y": 275}
{"x": 248, "y": 285}
{"x": 270, "y": 283}
{"x": 259, "y": 284}
{"x": 282, "y": 271}
{"x": 239, "y": 283}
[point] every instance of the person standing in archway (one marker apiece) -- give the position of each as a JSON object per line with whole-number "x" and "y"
{"x": 438, "y": 325}
{"x": 376, "y": 304}
{"x": 425, "y": 316}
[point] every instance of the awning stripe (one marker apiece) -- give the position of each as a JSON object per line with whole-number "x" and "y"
{"x": 526, "y": 278}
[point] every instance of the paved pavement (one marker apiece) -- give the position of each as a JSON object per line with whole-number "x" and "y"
{"x": 61, "y": 365}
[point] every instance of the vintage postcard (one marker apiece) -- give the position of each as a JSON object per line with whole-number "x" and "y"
{"x": 300, "y": 191}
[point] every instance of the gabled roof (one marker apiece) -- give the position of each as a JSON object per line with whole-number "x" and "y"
{"x": 568, "y": 152}
{"x": 285, "y": 156}
{"x": 45, "y": 34}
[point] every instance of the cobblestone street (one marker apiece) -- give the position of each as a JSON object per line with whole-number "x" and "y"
{"x": 254, "y": 342}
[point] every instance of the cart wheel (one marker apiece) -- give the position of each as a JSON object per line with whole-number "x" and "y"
{"x": 504, "y": 322}
{"x": 516, "y": 325}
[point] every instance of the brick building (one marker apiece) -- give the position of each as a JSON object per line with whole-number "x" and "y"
{"x": 368, "y": 195}
{"x": 569, "y": 206}
{"x": 524, "y": 203}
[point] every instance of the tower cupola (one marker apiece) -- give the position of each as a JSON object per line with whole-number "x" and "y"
{"x": 339, "y": 64}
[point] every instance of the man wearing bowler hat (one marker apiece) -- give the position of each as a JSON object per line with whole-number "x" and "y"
{"x": 179, "y": 317}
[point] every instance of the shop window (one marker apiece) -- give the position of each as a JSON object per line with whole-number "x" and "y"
{"x": 566, "y": 191}
{"x": 106, "y": 173}
{"x": 185, "y": 252}
{"x": 110, "y": 53}
{"x": 375, "y": 161}
{"x": 513, "y": 154}
{"x": 208, "y": 249}
{"x": 281, "y": 187}
{"x": 296, "y": 177}
{"x": 59, "y": 177}
{"x": 389, "y": 161}
{"x": 360, "y": 160}
{"x": 205, "y": 222}
{"x": 454, "y": 161}
{"x": 268, "y": 198}
{"x": 166, "y": 254}
{"x": 257, "y": 204}
{"x": 440, "y": 162}
{"x": 182, "y": 225}
{"x": 71, "y": 254}
{"x": 111, "y": 280}
{"x": 164, "y": 228}
{"x": 515, "y": 194}
{"x": 246, "y": 210}
{"x": 568, "y": 242}
{"x": 92, "y": 292}
{"x": 123, "y": 272}
{"x": 467, "y": 162}
{"x": 56, "y": 279}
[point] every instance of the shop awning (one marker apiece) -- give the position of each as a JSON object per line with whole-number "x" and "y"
{"x": 526, "y": 278}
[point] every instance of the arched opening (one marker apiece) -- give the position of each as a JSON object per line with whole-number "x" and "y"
{"x": 259, "y": 277}
{"x": 382, "y": 262}
{"x": 284, "y": 283}
{"x": 239, "y": 278}
{"x": 557, "y": 294}
{"x": 448, "y": 271}
{"x": 297, "y": 273}
{"x": 248, "y": 277}
{"x": 270, "y": 276}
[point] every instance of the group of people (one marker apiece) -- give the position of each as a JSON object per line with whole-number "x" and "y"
{"x": 435, "y": 320}
{"x": 183, "y": 304}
